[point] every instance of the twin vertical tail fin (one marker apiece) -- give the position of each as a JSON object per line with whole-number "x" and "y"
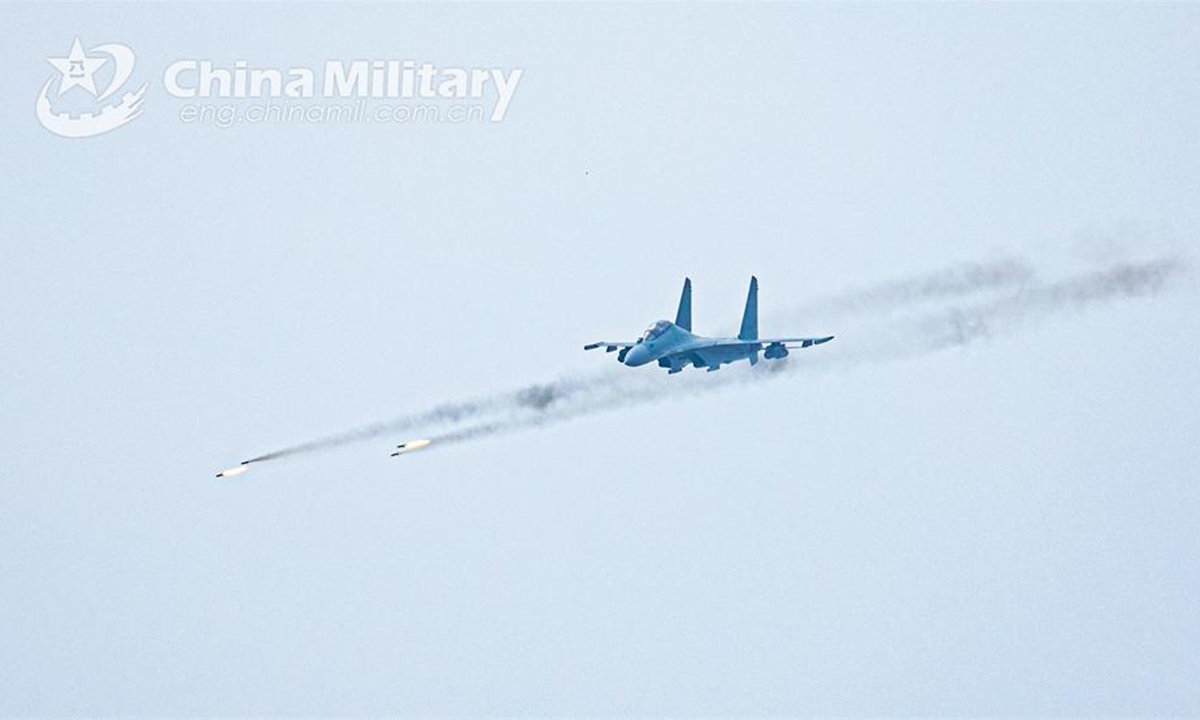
{"x": 683, "y": 318}
{"x": 749, "y": 329}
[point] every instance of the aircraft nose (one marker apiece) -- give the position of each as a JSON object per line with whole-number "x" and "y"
{"x": 637, "y": 355}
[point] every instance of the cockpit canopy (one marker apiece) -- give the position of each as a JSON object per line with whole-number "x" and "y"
{"x": 655, "y": 330}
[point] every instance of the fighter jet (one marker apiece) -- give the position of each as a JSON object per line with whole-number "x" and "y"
{"x": 674, "y": 346}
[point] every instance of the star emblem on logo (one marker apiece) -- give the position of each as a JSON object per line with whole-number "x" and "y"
{"x": 77, "y": 69}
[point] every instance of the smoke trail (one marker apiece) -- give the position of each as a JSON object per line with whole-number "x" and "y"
{"x": 961, "y": 326}
{"x": 572, "y": 396}
{"x": 966, "y": 278}
{"x": 921, "y": 334}
{"x": 445, "y": 414}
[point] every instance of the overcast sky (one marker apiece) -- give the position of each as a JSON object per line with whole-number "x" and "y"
{"x": 1007, "y": 527}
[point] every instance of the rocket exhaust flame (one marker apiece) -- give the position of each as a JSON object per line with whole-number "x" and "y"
{"x": 235, "y": 470}
{"x": 411, "y": 446}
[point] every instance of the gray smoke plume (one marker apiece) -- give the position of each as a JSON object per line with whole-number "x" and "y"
{"x": 444, "y": 414}
{"x": 920, "y": 334}
{"x": 963, "y": 279}
{"x": 869, "y": 330}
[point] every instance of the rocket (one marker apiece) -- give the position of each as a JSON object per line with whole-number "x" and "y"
{"x": 235, "y": 470}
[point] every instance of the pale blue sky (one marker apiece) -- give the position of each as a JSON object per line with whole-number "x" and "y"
{"x": 1008, "y": 528}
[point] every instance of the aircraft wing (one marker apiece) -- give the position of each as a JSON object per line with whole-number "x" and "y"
{"x": 792, "y": 342}
{"x": 712, "y": 353}
{"x": 611, "y": 345}
{"x": 798, "y": 341}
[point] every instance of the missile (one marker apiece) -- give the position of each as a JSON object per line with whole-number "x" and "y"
{"x": 411, "y": 446}
{"x": 235, "y": 470}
